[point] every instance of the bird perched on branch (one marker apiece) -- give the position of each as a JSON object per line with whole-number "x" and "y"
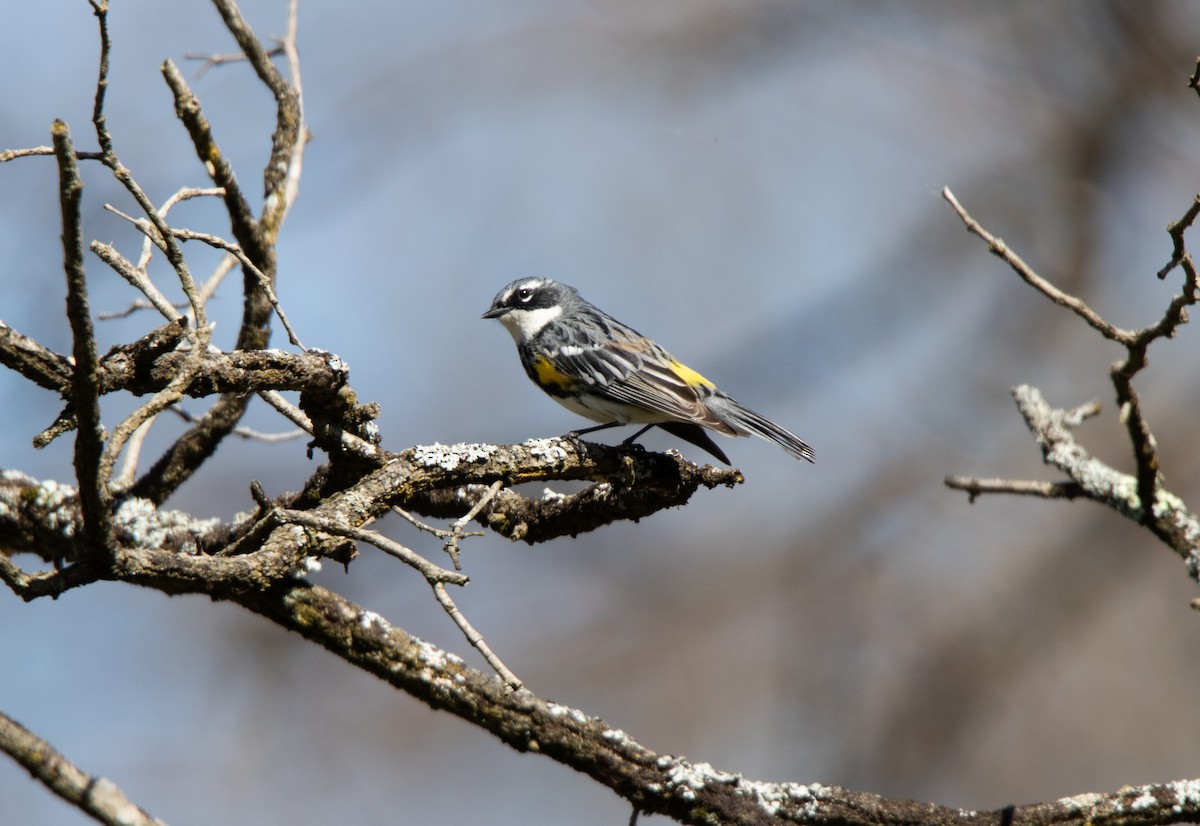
{"x": 595, "y": 366}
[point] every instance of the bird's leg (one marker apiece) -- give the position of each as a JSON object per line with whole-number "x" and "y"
{"x": 574, "y": 433}
{"x": 633, "y": 438}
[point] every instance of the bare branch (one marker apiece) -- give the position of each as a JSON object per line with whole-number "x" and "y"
{"x": 475, "y": 638}
{"x": 1136, "y": 342}
{"x": 540, "y": 519}
{"x": 659, "y": 783}
{"x": 184, "y": 194}
{"x": 1176, "y": 231}
{"x": 169, "y": 395}
{"x": 432, "y": 573}
{"x": 135, "y": 306}
{"x": 212, "y": 60}
{"x": 456, "y": 533}
{"x": 41, "y": 366}
{"x": 350, "y": 442}
{"x": 999, "y": 248}
{"x": 187, "y": 108}
{"x": 287, "y": 142}
{"x": 96, "y": 796}
{"x": 290, "y": 412}
{"x": 255, "y": 237}
{"x": 46, "y": 583}
{"x": 291, "y": 187}
{"x": 1145, "y": 448}
{"x": 100, "y": 9}
{"x": 133, "y": 451}
{"x": 976, "y": 487}
{"x": 122, "y": 173}
{"x": 85, "y": 383}
{"x": 137, "y": 277}
{"x": 37, "y": 151}
{"x": 436, "y": 576}
{"x": 216, "y": 242}
{"x": 248, "y": 433}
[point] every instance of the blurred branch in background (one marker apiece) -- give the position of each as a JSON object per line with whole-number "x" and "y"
{"x": 1141, "y": 498}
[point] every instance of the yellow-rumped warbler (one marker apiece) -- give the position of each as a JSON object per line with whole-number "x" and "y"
{"x": 594, "y": 365}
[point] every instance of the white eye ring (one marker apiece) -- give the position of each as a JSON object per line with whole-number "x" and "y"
{"x": 524, "y": 294}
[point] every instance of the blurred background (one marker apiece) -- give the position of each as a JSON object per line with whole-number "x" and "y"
{"x": 757, "y": 186}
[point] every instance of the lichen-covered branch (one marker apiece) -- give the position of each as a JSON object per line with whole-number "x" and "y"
{"x": 1140, "y": 497}
{"x": 551, "y": 515}
{"x": 689, "y": 791}
{"x": 1168, "y": 517}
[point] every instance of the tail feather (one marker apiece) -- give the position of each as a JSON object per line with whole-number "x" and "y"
{"x": 697, "y": 435}
{"x": 747, "y": 422}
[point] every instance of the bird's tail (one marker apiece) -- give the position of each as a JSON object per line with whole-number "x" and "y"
{"x": 697, "y": 435}
{"x": 748, "y": 423}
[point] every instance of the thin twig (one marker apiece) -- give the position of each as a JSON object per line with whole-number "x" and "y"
{"x": 475, "y": 638}
{"x": 291, "y": 53}
{"x": 47, "y": 583}
{"x": 100, "y": 9}
{"x": 1176, "y": 230}
{"x": 135, "y": 306}
{"x": 436, "y": 576}
{"x": 246, "y": 432}
{"x": 353, "y": 444}
{"x": 1136, "y": 342}
{"x": 220, "y": 243}
{"x": 432, "y": 573}
{"x": 125, "y": 477}
{"x": 125, "y": 177}
{"x": 160, "y": 401}
{"x": 223, "y": 268}
{"x": 975, "y": 487}
{"x": 440, "y": 533}
{"x": 251, "y": 46}
{"x": 997, "y": 247}
{"x": 456, "y": 529}
{"x": 1145, "y": 447}
{"x": 184, "y": 194}
{"x": 34, "y": 151}
{"x": 290, "y": 412}
{"x": 255, "y": 236}
{"x": 211, "y": 60}
{"x": 137, "y": 278}
{"x": 456, "y": 532}
{"x": 187, "y": 107}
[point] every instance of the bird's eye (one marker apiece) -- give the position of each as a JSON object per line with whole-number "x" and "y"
{"x": 524, "y": 295}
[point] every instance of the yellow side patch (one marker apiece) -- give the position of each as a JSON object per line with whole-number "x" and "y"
{"x": 547, "y": 374}
{"x": 690, "y": 376}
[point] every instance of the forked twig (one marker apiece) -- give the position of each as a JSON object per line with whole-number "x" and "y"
{"x": 220, "y": 243}
{"x": 456, "y": 532}
{"x": 436, "y": 576}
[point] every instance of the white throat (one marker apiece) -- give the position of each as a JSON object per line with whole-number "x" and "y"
{"x": 525, "y": 324}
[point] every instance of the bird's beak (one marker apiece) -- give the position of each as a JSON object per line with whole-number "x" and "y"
{"x": 493, "y": 312}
